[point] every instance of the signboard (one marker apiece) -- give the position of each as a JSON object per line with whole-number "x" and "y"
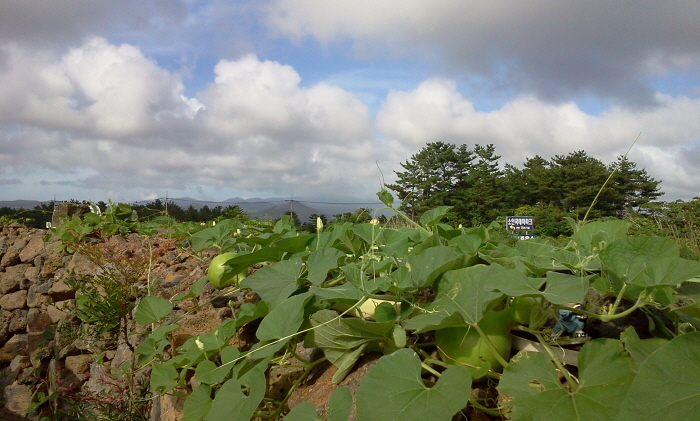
{"x": 523, "y": 236}
{"x": 520, "y": 223}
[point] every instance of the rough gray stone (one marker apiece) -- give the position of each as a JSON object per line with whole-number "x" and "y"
{"x": 19, "y": 363}
{"x": 31, "y": 275}
{"x": 17, "y": 398}
{"x": 14, "y": 301}
{"x": 38, "y": 321}
{"x": 81, "y": 266}
{"x": 61, "y": 291}
{"x": 18, "y": 324}
{"x": 5, "y": 320}
{"x": 79, "y": 365}
{"x": 37, "y": 295}
{"x": 11, "y": 256}
{"x": 60, "y": 310}
{"x": 34, "y": 247}
{"x": 12, "y": 277}
{"x": 16, "y": 345}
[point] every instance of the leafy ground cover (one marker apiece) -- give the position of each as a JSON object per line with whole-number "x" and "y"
{"x": 407, "y": 293}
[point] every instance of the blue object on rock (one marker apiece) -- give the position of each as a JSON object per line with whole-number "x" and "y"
{"x": 568, "y": 324}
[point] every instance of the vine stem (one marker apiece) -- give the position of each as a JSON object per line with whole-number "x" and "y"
{"x": 618, "y": 300}
{"x": 573, "y": 382}
{"x": 429, "y": 369}
{"x": 488, "y": 411}
{"x": 490, "y": 345}
{"x": 357, "y": 304}
{"x": 595, "y": 199}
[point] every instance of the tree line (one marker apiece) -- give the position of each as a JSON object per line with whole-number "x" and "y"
{"x": 480, "y": 190}
{"x": 40, "y": 215}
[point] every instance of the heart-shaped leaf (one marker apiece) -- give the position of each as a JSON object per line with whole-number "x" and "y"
{"x": 605, "y": 373}
{"x": 393, "y": 390}
{"x": 151, "y": 309}
{"x": 667, "y": 386}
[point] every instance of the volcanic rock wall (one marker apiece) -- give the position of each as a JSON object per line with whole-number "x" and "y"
{"x": 37, "y": 342}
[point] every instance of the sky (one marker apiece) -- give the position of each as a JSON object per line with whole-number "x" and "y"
{"x": 128, "y": 100}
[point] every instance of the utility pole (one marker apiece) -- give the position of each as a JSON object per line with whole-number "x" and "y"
{"x": 291, "y": 209}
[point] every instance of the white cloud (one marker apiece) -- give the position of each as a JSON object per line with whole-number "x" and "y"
{"x": 98, "y": 89}
{"x": 118, "y": 116}
{"x": 525, "y": 127}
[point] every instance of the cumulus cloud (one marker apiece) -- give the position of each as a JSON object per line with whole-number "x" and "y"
{"x": 550, "y": 49}
{"x": 525, "y": 127}
{"x": 97, "y": 87}
{"x": 116, "y": 115}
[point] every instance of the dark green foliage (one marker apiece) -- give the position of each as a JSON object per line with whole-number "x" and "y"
{"x": 432, "y": 176}
{"x": 33, "y": 218}
{"x": 480, "y": 190}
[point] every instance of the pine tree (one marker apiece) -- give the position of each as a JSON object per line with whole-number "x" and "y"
{"x": 635, "y": 186}
{"x": 481, "y": 191}
{"x": 430, "y": 177}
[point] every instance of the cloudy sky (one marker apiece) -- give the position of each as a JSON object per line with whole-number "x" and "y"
{"x": 129, "y": 99}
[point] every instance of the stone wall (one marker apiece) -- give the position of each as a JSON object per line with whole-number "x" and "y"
{"x": 38, "y": 348}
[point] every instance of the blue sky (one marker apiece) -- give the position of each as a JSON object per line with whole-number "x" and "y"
{"x": 128, "y": 100}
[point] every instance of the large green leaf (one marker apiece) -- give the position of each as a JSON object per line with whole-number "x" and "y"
{"x": 467, "y": 243}
{"x": 433, "y": 321}
{"x": 648, "y": 261}
{"x": 369, "y": 233}
{"x": 320, "y": 262}
{"x": 605, "y": 374}
{"x": 468, "y": 291}
{"x": 595, "y": 235}
{"x": 208, "y": 372}
{"x": 347, "y": 293}
{"x": 430, "y": 263}
{"x": 562, "y": 288}
{"x": 670, "y": 272}
{"x": 198, "y": 403}
{"x": 163, "y": 377}
{"x": 396, "y": 241}
{"x": 640, "y": 349}
{"x": 248, "y": 312}
{"x": 340, "y": 405}
{"x": 393, "y": 390}
{"x": 232, "y": 404}
{"x": 219, "y": 235}
{"x": 283, "y": 320}
{"x": 276, "y": 282}
{"x": 433, "y": 216}
{"x": 344, "y": 340}
{"x": 305, "y": 411}
{"x": 243, "y": 261}
{"x": 667, "y": 386}
{"x": 151, "y": 309}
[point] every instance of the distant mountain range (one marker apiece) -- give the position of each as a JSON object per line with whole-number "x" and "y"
{"x": 259, "y": 208}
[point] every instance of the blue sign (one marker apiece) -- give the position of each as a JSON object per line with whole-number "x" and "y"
{"x": 520, "y": 223}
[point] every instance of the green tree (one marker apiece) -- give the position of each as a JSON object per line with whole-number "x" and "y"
{"x": 480, "y": 193}
{"x": 294, "y": 217}
{"x": 634, "y": 186}
{"x": 233, "y": 212}
{"x": 575, "y": 180}
{"x": 431, "y": 176}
